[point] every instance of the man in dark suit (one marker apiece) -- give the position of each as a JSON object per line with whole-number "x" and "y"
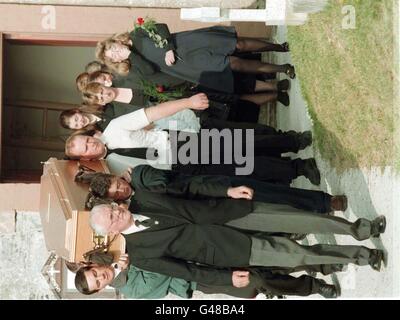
{"x": 196, "y": 239}
{"x": 150, "y": 179}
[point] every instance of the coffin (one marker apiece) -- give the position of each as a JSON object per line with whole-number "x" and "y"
{"x": 62, "y": 210}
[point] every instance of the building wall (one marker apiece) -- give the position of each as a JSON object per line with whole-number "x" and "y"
{"x": 101, "y": 21}
{"x": 149, "y": 3}
{"x": 22, "y": 256}
{"x": 19, "y": 196}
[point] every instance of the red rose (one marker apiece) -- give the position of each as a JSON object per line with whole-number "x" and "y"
{"x": 160, "y": 89}
{"x": 140, "y": 21}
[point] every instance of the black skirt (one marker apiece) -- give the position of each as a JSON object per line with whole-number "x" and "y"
{"x": 202, "y": 56}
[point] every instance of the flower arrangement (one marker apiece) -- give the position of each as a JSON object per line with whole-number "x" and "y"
{"x": 161, "y": 94}
{"x": 149, "y": 25}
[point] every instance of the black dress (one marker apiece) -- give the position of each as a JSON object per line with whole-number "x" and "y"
{"x": 201, "y": 56}
{"x": 134, "y": 79}
{"x": 139, "y": 98}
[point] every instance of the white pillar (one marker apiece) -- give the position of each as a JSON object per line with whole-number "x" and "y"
{"x": 276, "y": 12}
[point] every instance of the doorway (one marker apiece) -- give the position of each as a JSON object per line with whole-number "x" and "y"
{"x": 38, "y": 84}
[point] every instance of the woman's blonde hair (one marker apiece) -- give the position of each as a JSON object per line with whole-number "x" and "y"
{"x": 95, "y": 66}
{"x": 89, "y": 96}
{"x": 122, "y": 67}
{"x": 85, "y": 78}
{"x": 81, "y": 81}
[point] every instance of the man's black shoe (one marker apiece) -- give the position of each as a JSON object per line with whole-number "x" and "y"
{"x": 328, "y": 291}
{"x": 378, "y": 226}
{"x": 304, "y": 139}
{"x": 376, "y": 258}
{"x": 311, "y": 171}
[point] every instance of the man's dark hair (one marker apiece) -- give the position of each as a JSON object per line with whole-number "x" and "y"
{"x": 81, "y": 283}
{"x": 100, "y": 184}
{"x": 92, "y": 201}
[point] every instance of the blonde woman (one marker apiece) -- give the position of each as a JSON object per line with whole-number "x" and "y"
{"x": 203, "y": 56}
{"x": 137, "y": 97}
{"x": 109, "y": 80}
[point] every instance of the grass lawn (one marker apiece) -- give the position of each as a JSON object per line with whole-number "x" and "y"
{"x": 347, "y": 78}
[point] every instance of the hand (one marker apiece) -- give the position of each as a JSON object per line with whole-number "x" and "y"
{"x": 240, "y": 279}
{"x": 126, "y": 175}
{"x": 149, "y": 127}
{"x": 198, "y": 101}
{"x": 169, "y": 58}
{"x": 241, "y": 192}
{"x": 123, "y": 261}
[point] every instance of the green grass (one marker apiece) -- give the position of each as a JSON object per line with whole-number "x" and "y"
{"x": 347, "y": 78}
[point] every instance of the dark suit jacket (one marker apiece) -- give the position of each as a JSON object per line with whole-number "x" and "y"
{"x": 145, "y": 69}
{"x": 150, "y": 179}
{"x": 196, "y": 245}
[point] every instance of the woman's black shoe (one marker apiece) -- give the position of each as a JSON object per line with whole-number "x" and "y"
{"x": 290, "y": 71}
{"x": 283, "y": 85}
{"x": 283, "y": 98}
{"x": 285, "y": 47}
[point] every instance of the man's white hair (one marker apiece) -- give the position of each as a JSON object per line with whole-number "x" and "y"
{"x": 98, "y": 210}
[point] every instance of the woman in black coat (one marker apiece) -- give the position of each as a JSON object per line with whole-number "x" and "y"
{"x": 203, "y": 56}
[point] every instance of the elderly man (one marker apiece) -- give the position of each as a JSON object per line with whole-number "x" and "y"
{"x": 194, "y": 239}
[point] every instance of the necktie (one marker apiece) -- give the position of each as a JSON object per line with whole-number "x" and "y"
{"x": 146, "y": 223}
{"x": 141, "y": 153}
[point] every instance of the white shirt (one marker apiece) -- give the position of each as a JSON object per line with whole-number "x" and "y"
{"x": 117, "y": 269}
{"x": 127, "y": 132}
{"x": 133, "y": 228}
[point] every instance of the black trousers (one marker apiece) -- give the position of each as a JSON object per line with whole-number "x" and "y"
{"x": 274, "y": 281}
{"x": 267, "y": 140}
{"x": 267, "y": 283}
{"x": 259, "y": 129}
{"x": 268, "y": 165}
{"x": 268, "y": 169}
{"x": 310, "y": 200}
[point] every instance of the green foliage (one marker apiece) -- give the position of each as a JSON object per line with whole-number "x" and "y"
{"x": 347, "y": 77}
{"x": 154, "y": 91}
{"x": 149, "y": 25}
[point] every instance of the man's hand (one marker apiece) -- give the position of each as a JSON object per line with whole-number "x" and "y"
{"x": 126, "y": 175}
{"x": 123, "y": 261}
{"x": 241, "y": 192}
{"x": 169, "y": 58}
{"x": 198, "y": 101}
{"x": 240, "y": 279}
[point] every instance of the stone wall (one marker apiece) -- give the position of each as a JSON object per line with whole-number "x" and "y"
{"x": 22, "y": 255}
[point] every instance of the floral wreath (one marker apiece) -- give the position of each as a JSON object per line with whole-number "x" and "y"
{"x": 149, "y": 25}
